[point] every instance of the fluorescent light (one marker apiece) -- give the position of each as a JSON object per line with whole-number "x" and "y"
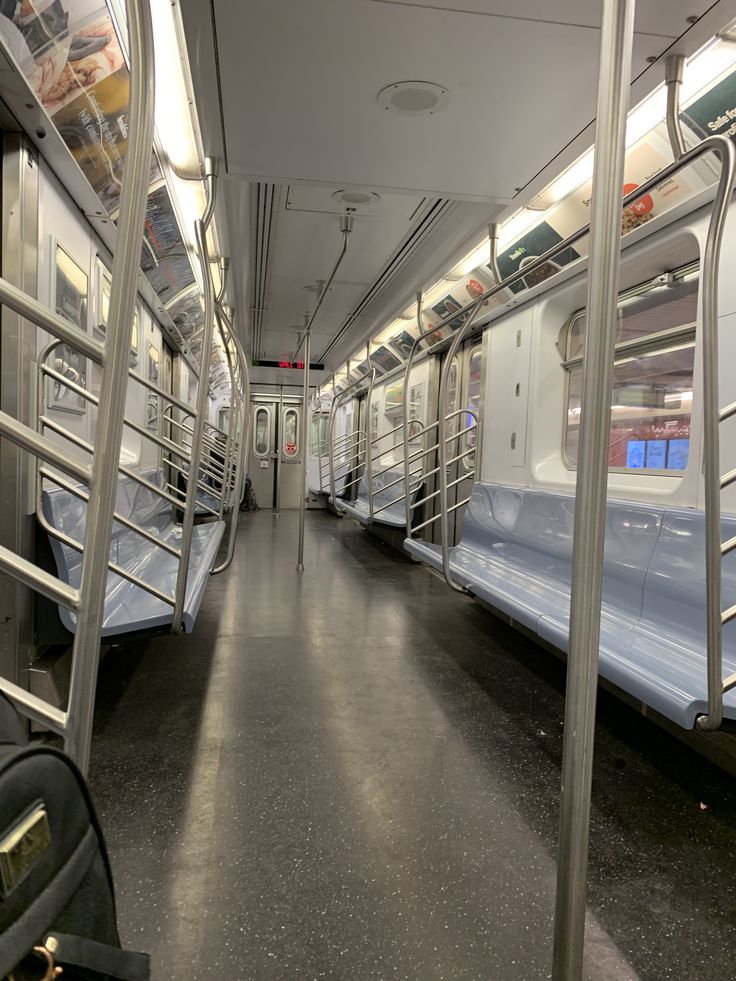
{"x": 705, "y": 67}
{"x": 646, "y": 116}
{"x": 173, "y": 100}
{"x": 395, "y": 327}
{"x": 569, "y": 180}
{"x": 700, "y": 71}
{"x": 516, "y": 225}
{"x": 480, "y": 256}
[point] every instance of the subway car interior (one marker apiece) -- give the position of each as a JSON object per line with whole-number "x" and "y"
{"x": 368, "y": 490}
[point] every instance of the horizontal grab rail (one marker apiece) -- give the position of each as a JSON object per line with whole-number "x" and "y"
{"x": 452, "y": 483}
{"x": 436, "y": 517}
{"x": 38, "y": 579}
{"x": 88, "y": 448}
{"x": 37, "y": 444}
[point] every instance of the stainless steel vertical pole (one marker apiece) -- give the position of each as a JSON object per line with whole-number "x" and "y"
{"x": 105, "y": 460}
{"x": 592, "y": 479}
{"x": 278, "y": 442}
{"x": 305, "y": 436}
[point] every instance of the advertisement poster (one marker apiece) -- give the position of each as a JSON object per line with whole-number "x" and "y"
{"x": 645, "y": 159}
{"x": 383, "y": 359}
{"x": 529, "y": 247}
{"x": 188, "y": 315}
{"x": 714, "y": 114}
{"x": 474, "y": 285}
{"x": 164, "y": 259}
{"x": 70, "y": 55}
{"x": 402, "y": 343}
{"x": 360, "y": 369}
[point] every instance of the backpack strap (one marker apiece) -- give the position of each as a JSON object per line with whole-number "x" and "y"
{"x": 112, "y": 962}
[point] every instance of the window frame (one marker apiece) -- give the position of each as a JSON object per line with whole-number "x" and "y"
{"x": 104, "y": 277}
{"x": 322, "y": 419}
{"x": 665, "y": 341}
{"x": 294, "y": 410}
{"x": 469, "y": 461}
{"x": 261, "y": 407}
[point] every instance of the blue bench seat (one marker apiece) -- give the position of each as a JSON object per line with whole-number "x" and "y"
{"x": 128, "y": 607}
{"x": 516, "y": 555}
{"x": 393, "y": 516}
{"x": 342, "y": 474}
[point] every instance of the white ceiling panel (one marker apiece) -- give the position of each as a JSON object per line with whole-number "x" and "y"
{"x": 300, "y": 84}
{"x": 305, "y": 244}
{"x": 662, "y": 18}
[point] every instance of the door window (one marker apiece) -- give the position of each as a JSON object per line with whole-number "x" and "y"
{"x": 262, "y": 431}
{"x": 290, "y": 441}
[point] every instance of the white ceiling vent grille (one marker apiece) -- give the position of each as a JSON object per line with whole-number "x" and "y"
{"x": 263, "y": 209}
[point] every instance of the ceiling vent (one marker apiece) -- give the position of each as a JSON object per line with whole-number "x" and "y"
{"x": 414, "y": 98}
{"x": 263, "y": 207}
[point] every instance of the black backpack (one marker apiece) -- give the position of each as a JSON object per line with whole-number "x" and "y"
{"x": 57, "y": 906}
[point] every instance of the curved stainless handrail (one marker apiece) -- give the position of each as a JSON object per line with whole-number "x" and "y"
{"x": 243, "y": 445}
{"x": 187, "y": 525}
{"x": 471, "y": 310}
{"x": 336, "y": 403}
{"x": 126, "y": 264}
{"x": 442, "y": 446}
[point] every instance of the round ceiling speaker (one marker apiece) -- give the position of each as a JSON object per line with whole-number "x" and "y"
{"x": 353, "y": 199}
{"x": 414, "y": 98}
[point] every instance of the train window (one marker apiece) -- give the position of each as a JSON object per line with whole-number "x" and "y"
{"x": 319, "y": 433}
{"x": 451, "y": 404}
{"x": 644, "y": 314}
{"x": 653, "y": 378}
{"x": 105, "y": 288}
{"x": 416, "y": 413}
{"x": 223, "y": 418}
{"x": 262, "y": 431}
{"x": 290, "y": 440}
{"x": 473, "y": 405}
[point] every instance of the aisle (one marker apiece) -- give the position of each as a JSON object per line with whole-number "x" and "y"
{"x": 354, "y": 775}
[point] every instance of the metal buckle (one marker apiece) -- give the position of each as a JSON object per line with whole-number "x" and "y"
{"x": 47, "y": 951}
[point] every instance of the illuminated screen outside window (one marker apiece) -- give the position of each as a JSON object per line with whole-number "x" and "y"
{"x": 653, "y": 378}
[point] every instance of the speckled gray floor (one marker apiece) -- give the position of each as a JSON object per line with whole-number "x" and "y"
{"x": 354, "y": 775}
